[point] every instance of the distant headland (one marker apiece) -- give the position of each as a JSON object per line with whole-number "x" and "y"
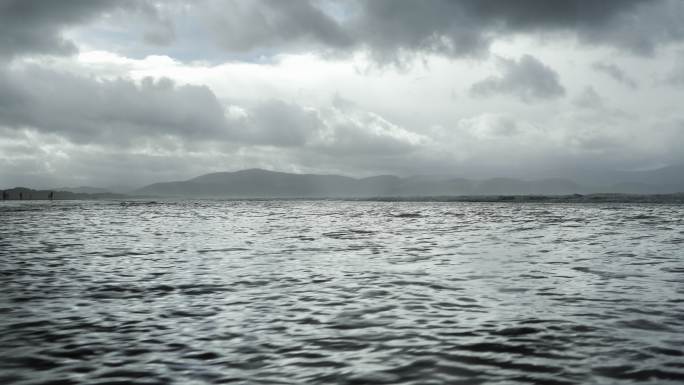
{"x": 27, "y": 194}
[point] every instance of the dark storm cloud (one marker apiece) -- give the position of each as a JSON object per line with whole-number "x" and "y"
{"x": 392, "y": 28}
{"x": 467, "y": 27}
{"x": 388, "y": 28}
{"x": 28, "y": 26}
{"x": 528, "y": 79}
{"x": 85, "y": 110}
{"x": 615, "y": 72}
{"x": 244, "y": 25}
{"x": 36, "y": 26}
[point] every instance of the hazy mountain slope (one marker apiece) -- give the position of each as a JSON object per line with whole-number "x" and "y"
{"x": 668, "y": 179}
{"x": 257, "y": 183}
{"x": 84, "y": 190}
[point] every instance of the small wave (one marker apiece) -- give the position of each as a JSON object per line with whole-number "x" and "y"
{"x": 408, "y": 215}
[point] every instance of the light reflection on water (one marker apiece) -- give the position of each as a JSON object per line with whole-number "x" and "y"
{"x": 340, "y": 292}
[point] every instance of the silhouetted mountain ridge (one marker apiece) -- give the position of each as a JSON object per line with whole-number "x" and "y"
{"x": 259, "y": 183}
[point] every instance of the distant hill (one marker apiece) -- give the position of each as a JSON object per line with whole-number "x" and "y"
{"x": 22, "y": 193}
{"x": 669, "y": 179}
{"x": 258, "y": 183}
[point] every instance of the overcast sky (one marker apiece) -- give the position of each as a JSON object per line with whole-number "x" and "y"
{"x": 111, "y": 93}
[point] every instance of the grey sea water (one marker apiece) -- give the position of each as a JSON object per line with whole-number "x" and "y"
{"x": 331, "y": 292}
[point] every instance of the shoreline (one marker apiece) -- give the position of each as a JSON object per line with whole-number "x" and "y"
{"x": 676, "y": 198}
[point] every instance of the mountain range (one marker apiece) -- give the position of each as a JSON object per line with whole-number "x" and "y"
{"x": 258, "y": 183}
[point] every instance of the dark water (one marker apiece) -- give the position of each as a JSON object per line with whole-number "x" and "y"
{"x": 341, "y": 293}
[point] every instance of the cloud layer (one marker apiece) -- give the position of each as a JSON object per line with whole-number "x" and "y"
{"x": 133, "y": 91}
{"x": 392, "y": 28}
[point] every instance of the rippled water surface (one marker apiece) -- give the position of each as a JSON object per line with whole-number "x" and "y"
{"x": 330, "y": 292}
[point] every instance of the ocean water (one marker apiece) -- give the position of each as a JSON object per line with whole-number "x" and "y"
{"x": 333, "y": 292}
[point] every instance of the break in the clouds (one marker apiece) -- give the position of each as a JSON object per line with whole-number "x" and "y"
{"x": 127, "y": 92}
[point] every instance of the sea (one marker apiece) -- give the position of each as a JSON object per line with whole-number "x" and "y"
{"x": 340, "y": 292}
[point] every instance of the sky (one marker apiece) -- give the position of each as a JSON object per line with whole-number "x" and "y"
{"x": 130, "y": 92}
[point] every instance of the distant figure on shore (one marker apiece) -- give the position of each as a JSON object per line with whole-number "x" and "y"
{"x": 51, "y": 195}
{"x": 21, "y": 196}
